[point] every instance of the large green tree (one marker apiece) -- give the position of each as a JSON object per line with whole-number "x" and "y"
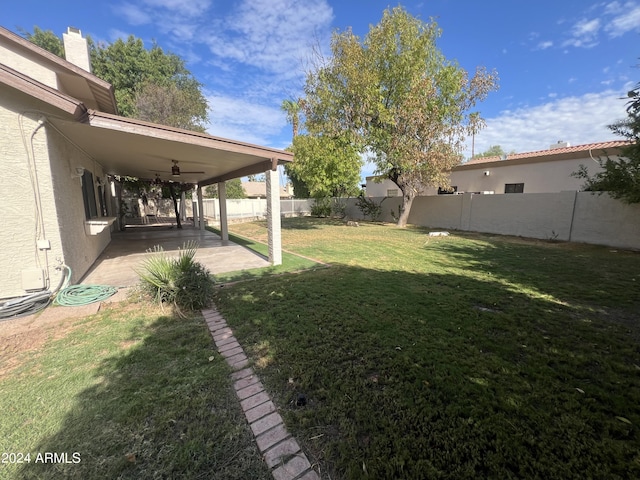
{"x": 149, "y": 84}
{"x": 328, "y": 166}
{"x": 233, "y": 189}
{"x": 620, "y": 177}
{"x": 493, "y": 151}
{"x": 394, "y": 95}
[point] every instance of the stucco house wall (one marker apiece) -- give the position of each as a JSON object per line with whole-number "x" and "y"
{"x": 40, "y": 198}
{"x": 540, "y": 174}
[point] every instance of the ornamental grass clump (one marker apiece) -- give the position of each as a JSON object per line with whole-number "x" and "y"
{"x": 181, "y": 282}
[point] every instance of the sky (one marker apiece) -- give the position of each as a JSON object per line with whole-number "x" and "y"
{"x": 564, "y": 66}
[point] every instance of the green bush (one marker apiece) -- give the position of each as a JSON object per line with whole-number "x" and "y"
{"x": 339, "y": 208}
{"x": 369, "y": 207}
{"x": 321, "y": 207}
{"x": 181, "y": 282}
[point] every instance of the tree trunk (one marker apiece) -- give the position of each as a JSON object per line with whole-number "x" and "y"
{"x": 175, "y": 205}
{"x": 407, "y": 201}
{"x": 408, "y": 194}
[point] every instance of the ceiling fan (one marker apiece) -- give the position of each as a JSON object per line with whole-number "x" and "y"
{"x": 175, "y": 170}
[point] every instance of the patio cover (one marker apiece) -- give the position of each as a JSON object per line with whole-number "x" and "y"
{"x": 130, "y": 147}
{"x": 126, "y": 146}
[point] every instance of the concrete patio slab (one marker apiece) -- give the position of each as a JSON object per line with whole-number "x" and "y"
{"x": 128, "y": 249}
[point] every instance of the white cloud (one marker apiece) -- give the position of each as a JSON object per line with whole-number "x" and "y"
{"x": 545, "y": 45}
{"x": 133, "y": 14}
{"x": 614, "y": 18}
{"x": 115, "y": 34}
{"x": 577, "y": 120}
{"x": 243, "y": 120}
{"x": 626, "y": 19}
{"x": 273, "y": 35}
{"x": 584, "y": 33}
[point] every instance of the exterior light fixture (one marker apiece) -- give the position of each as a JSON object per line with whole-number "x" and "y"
{"x": 175, "y": 170}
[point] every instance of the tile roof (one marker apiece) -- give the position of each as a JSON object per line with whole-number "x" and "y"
{"x": 599, "y": 146}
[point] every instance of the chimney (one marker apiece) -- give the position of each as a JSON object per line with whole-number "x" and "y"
{"x": 560, "y": 144}
{"x": 76, "y": 49}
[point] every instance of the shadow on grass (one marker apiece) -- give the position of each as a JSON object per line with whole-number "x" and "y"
{"x": 160, "y": 409}
{"x": 290, "y": 262}
{"x": 309, "y": 223}
{"x": 411, "y": 375}
{"x": 594, "y": 276}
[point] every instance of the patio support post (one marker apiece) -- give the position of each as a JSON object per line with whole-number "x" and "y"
{"x": 200, "y": 208}
{"x": 273, "y": 217}
{"x": 183, "y": 206}
{"x": 222, "y": 199}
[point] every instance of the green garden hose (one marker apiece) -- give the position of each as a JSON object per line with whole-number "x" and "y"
{"x": 77, "y": 295}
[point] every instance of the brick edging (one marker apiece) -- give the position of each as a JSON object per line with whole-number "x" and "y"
{"x": 279, "y": 449}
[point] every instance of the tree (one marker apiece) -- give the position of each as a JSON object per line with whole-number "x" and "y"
{"x": 620, "y": 177}
{"x": 169, "y": 105}
{"x": 45, "y": 39}
{"x": 151, "y": 85}
{"x": 328, "y": 166}
{"x": 292, "y": 109}
{"x": 233, "y": 189}
{"x": 493, "y": 151}
{"x": 396, "y": 96}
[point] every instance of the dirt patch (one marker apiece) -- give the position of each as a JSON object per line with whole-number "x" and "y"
{"x": 27, "y": 335}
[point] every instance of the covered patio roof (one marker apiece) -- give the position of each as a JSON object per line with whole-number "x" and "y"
{"x": 126, "y": 146}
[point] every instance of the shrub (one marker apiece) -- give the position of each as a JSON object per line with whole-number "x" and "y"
{"x": 180, "y": 282}
{"x": 321, "y": 207}
{"x": 339, "y": 208}
{"x": 369, "y": 208}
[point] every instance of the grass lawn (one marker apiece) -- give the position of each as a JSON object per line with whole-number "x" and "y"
{"x": 290, "y": 262}
{"x": 134, "y": 392}
{"x": 468, "y": 356}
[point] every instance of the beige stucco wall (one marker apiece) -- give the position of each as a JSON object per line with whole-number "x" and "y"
{"x": 538, "y": 177}
{"x": 603, "y": 220}
{"x": 27, "y": 146}
{"x": 565, "y": 216}
{"x": 27, "y": 64}
{"x": 79, "y": 248}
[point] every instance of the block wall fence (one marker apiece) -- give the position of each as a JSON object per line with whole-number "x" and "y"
{"x": 571, "y": 216}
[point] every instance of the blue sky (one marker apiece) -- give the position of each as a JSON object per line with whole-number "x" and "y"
{"x": 563, "y": 65}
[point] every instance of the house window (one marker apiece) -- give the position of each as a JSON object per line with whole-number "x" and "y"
{"x": 102, "y": 196}
{"x": 89, "y": 196}
{"x": 392, "y": 192}
{"x": 447, "y": 191}
{"x": 514, "y": 188}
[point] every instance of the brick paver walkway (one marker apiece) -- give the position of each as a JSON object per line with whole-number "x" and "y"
{"x": 279, "y": 449}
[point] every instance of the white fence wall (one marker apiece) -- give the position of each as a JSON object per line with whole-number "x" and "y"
{"x": 567, "y": 216}
{"x": 249, "y": 208}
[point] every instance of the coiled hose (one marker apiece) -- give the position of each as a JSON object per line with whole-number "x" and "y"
{"x": 70, "y": 296}
{"x": 76, "y": 295}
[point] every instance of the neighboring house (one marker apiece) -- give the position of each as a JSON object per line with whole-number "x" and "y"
{"x": 259, "y": 190}
{"x": 543, "y": 171}
{"x": 61, "y": 146}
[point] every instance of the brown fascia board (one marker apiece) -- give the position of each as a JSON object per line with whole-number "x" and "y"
{"x": 95, "y": 83}
{"x": 42, "y": 92}
{"x": 141, "y": 127}
{"x": 254, "y": 169}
